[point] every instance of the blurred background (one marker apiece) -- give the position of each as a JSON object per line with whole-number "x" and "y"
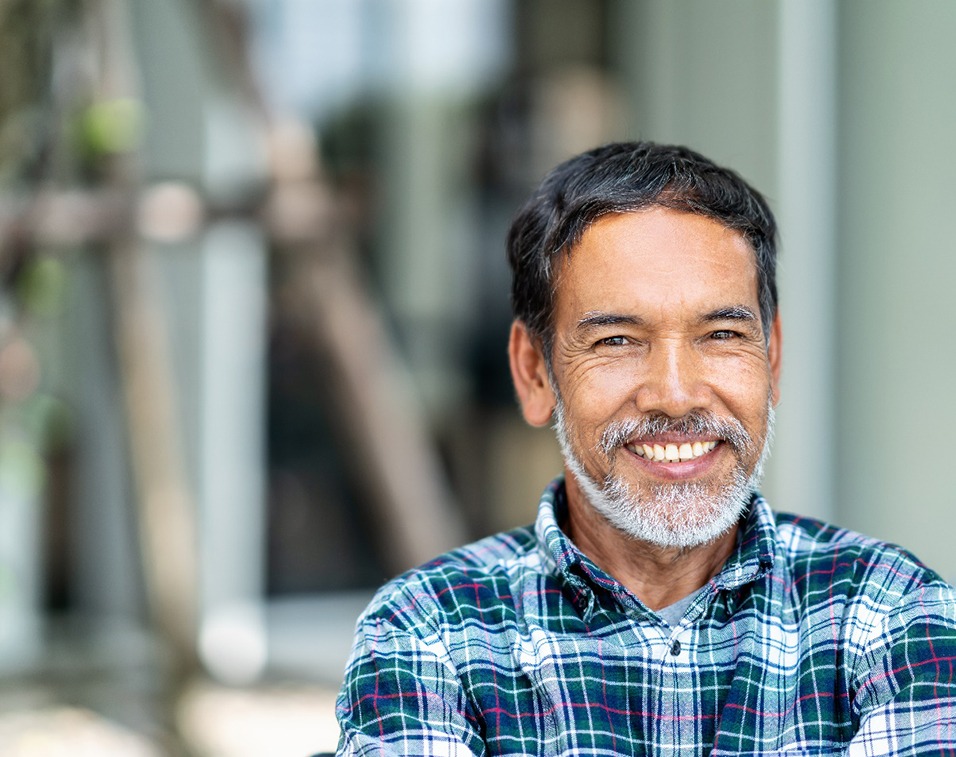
{"x": 254, "y": 305}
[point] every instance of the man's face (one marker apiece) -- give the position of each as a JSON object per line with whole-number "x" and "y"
{"x": 663, "y": 377}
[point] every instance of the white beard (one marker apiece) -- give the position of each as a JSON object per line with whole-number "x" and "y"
{"x": 679, "y": 514}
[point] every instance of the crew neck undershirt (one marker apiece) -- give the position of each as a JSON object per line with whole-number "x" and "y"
{"x": 673, "y": 613}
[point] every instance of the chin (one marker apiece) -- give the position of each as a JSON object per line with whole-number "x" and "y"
{"x": 673, "y": 516}
{"x": 663, "y": 530}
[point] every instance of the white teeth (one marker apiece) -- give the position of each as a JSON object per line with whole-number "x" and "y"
{"x": 673, "y": 453}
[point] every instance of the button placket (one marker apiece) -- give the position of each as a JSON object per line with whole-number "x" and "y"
{"x": 674, "y": 647}
{"x": 675, "y": 672}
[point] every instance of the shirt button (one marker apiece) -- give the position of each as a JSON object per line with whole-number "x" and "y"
{"x": 675, "y": 648}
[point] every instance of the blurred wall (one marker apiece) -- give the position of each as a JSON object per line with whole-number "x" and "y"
{"x": 897, "y": 269}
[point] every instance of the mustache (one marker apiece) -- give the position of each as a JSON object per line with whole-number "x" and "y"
{"x": 696, "y": 423}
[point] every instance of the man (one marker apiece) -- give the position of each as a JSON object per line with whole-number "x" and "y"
{"x": 657, "y": 606}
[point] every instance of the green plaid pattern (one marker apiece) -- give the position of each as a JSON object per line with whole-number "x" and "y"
{"x": 811, "y": 640}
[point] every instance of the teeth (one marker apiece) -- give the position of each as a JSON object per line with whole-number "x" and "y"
{"x": 673, "y": 453}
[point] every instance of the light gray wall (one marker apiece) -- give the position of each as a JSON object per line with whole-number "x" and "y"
{"x": 704, "y": 75}
{"x": 897, "y": 271}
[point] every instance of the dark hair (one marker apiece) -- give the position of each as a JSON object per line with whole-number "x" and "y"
{"x": 622, "y": 177}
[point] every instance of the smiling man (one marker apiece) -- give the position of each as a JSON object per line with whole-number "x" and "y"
{"x": 658, "y": 605}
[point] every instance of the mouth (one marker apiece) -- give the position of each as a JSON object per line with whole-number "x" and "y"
{"x": 672, "y": 452}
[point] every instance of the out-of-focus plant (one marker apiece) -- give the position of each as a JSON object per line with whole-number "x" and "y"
{"x": 66, "y": 123}
{"x": 32, "y": 33}
{"x": 30, "y": 355}
{"x": 110, "y": 127}
{"x": 41, "y": 69}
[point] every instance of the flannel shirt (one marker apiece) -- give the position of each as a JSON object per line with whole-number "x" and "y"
{"x": 811, "y": 640}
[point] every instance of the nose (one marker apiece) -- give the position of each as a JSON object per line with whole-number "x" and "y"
{"x": 672, "y": 380}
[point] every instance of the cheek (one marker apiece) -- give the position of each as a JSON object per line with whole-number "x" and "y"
{"x": 745, "y": 391}
{"x": 596, "y": 393}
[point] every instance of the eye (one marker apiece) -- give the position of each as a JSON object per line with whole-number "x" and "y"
{"x": 612, "y": 341}
{"x": 724, "y": 334}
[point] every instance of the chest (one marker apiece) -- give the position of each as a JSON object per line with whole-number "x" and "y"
{"x": 753, "y": 683}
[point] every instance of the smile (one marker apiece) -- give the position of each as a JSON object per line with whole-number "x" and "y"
{"x": 673, "y": 453}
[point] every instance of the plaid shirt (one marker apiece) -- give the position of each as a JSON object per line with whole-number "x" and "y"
{"x": 811, "y": 640}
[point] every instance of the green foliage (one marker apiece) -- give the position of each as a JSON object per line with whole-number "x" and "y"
{"x": 30, "y": 31}
{"x": 110, "y": 127}
{"x": 21, "y": 469}
{"x": 42, "y": 286}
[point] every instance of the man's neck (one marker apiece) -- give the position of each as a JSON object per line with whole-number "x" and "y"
{"x": 658, "y": 576}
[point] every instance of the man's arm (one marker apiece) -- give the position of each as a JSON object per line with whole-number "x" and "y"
{"x": 402, "y": 696}
{"x": 906, "y": 680}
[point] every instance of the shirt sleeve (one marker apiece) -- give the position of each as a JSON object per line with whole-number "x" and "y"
{"x": 402, "y": 695}
{"x": 906, "y": 680}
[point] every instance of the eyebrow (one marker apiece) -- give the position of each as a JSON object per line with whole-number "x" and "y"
{"x": 733, "y": 313}
{"x": 598, "y": 319}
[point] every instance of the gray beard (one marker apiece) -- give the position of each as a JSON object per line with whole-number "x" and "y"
{"x": 680, "y": 514}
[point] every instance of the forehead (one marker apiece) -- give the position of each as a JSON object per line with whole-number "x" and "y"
{"x": 657, "y": 257}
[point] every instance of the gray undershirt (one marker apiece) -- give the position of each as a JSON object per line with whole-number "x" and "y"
{"x": 673, "y": 613}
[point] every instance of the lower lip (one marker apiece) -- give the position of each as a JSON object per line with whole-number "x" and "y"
{"x": 680, "y": 470}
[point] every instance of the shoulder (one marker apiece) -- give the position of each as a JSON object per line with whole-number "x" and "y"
{"x": 825, "y": 557}
{"x": 470, "y": 582}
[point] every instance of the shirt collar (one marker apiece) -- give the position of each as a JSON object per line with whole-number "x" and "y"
{"x": 752, "y": 559}
{"x": 558, "y": 551}
{"x": 560, "y": 555}
{"x": 756, "y": 542}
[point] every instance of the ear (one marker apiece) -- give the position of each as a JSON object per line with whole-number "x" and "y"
{"x": 529, "y": 372}
{"x": 775, "y": 357}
